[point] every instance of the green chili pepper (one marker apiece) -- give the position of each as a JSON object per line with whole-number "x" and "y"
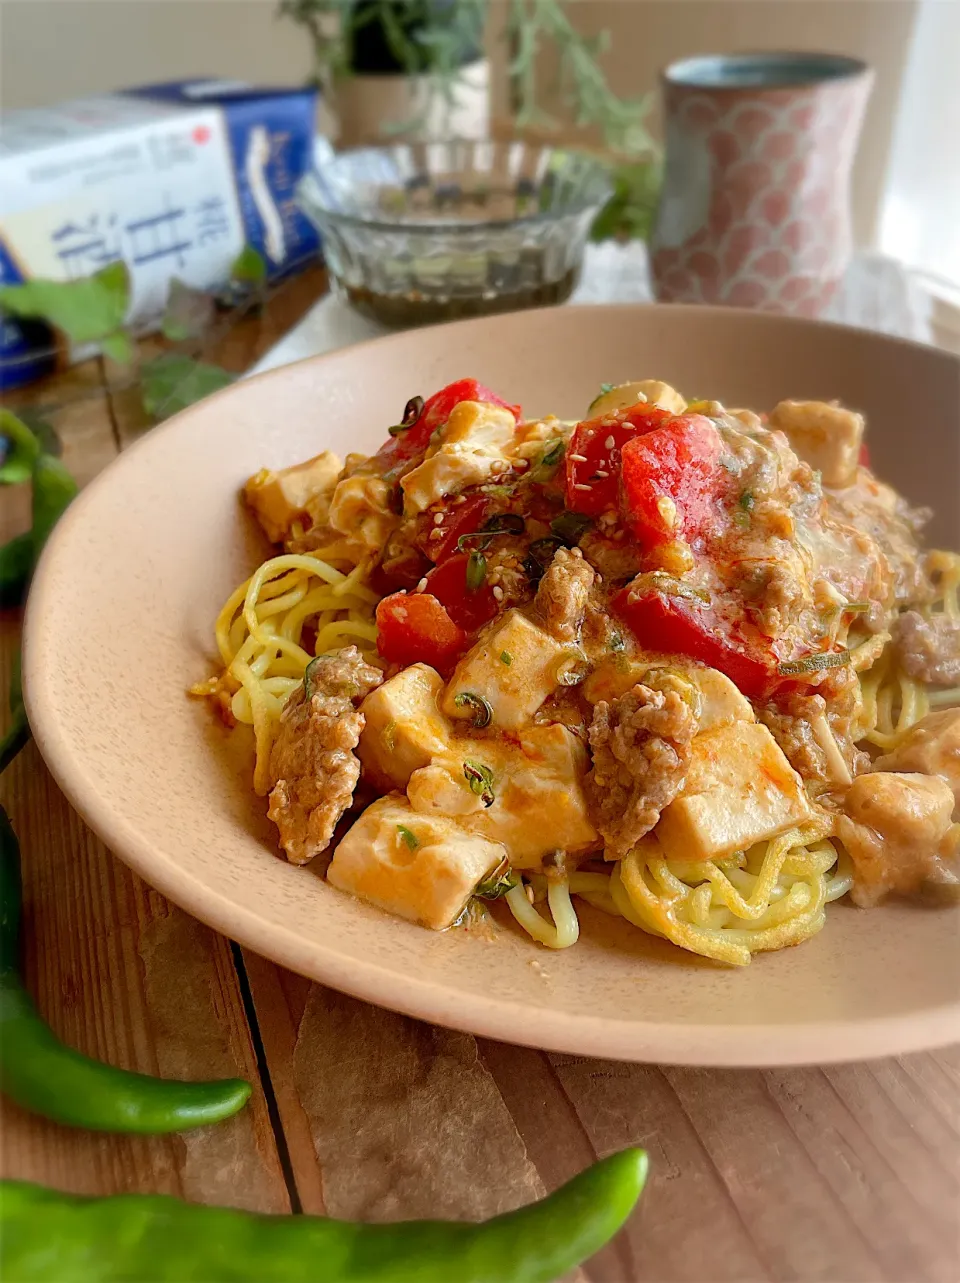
{"x": 43, "y": 1075}
{"x": 49, "y": 1237}
{"x": 53, "y": 488}
{"x": 18, "y": 732}
{"x": 21, "y": 452}
{"x": 16, "y": 562}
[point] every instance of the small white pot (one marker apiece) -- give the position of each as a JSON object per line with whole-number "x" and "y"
{"x": 369, "y": 108}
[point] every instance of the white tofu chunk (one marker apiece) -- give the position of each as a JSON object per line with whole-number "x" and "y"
{"x": 826, "y": 436}
{"x": 539, "y": 804}
{"x": 932, "y": 747}
{"x": 513, "y": 666}
{"x": 740, "y": 789}
{"x": 404, "y": 727}
{"x": 360, "y": 509}
{"x": 625, "y": 395}
{"x": 470, "y": 449}
{"x": 278, "y": 498}
{"x": 720, "y": 702}
{"x": 420, "y": 866}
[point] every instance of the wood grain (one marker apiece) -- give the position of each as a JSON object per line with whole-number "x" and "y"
{"x": 117, "y": 971}
{"x": 847, "y": 1174}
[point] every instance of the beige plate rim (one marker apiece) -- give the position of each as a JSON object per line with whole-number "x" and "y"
{"x": 813, "y": 1042}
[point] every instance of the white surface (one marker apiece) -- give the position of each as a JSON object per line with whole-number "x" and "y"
{"x": 877, "y": 294}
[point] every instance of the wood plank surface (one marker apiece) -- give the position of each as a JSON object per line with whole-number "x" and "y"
{"x": 847, "y": 1174}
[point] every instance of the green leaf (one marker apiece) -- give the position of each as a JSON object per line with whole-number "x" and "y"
{"x": 89, "y": 310}
{"x": 22, "y": 450}
{"x": 188, "y": 312}
{"x": 119, "y": 347}
{"x": 249, "y": 265}
{"x": 43, "y": 430}
{"x": 171, "y": 382}
{"x": 408, "y": 836}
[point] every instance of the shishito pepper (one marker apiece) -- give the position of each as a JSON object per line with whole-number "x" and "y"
{"x": 49, "y": 1237}
{"x": 43, "y": 1075}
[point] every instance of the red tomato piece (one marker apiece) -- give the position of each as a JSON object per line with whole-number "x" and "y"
{"x": 864, "y": 460}
{"x": 672, "y": 479}
{"x": 663, "y": 622}
{"x": 413, "y": 441}
{"x": 414, "y": 628}
{"x": 448, "y": 583}
{"x": 593, "y": 456}
{"x": 458, "y": 519}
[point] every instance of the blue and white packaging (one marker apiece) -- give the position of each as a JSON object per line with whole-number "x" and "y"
{"x": 174, "y": 179}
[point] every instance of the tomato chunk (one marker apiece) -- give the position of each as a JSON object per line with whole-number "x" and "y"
{"x": 469, "y": 609}
{"x": 665, "y": 622}
{"x": 411, "y": 442}
{"x": 864, "y": 459}
{"x": 672, "y": 479}
{"x": 458, "y": 519}
{"x": 593, "y": 456}
{"x": 414, "y": 628}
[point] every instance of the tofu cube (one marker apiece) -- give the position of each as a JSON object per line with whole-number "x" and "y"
{"x": 470, "y": 449}
{"x": 404, "y": 727}
{"x": 360, "y": 509}
{"x": 422, "y": 867}
{"x": 826, "y": 436}
{"x": 277, "y": 498}
{"x": 540, "y": 804}
{"x": 721, "y": 703}
{"x": 932, "y": 747}
{"x": 740, "y": 789}
{"x": 514, "y": 689}
{"x": 625, "y": 395}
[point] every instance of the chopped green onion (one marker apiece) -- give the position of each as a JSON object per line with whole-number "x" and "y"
{"x": 309, "y": 677}
{"x": 476, "y": 571}
{"x": 816, "y": 663}
{"x": 571, "y": 527}
{"x": 604, "y": 389}
{"x": 747, "y": 501}
{"x": 411, "y": 415}
{"x": 482, "y": 712}
{"x": 856, "y": 607}
{"x": 410, "y": 838}
{"x": 480, "y": 779}
{"x": 506, "y": 658}
{"x": 498, "y": 883}
{"x": 506, "y": 523}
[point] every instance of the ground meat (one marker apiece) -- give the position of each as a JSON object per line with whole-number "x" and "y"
{"x": 641, "y": 746}
{"x": 563, "y": 592}
{"x": 928, "y": 649}
{"x": 877, "y": 511}
{"x": 312, "y": 764}
{"x": 800, "y": 723}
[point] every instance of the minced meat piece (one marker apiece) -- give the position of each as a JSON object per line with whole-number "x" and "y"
{"x": 563, "y": 592}
{"x": 641, "y": 746}
{"x": 312, "y": 763}
{"x": 928, "y": 649}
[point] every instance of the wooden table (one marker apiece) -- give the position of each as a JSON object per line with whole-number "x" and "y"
{"x": 837, "y": 1174}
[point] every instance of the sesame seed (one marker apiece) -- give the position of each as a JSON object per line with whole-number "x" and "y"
{"x": 611, "y": 422}
{"x": 436, "y": 534}
{"x": 438, "y": 518}
{"x": 528, "y": 889}
{"x": 421, "y": 585}
{"x": 579, "y": 458}
{"x": 498, "y": 592}
{"x": 601, "y": 475}
{"x": 521, "y": 464}
{"x": 578, "y": 486}
{"x": 461, "y": 498}
{"x": 609, "y": 443}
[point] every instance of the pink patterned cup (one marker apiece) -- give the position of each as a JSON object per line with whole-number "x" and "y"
{"x": 755, "y": 209}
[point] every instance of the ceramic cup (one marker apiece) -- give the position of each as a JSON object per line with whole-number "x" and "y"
{"x": 755, "y": 208}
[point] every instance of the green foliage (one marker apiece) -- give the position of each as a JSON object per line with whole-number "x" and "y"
{"x": 187, "y": 314}
{"x": 90, "y": 310}
{"x": 249, "y": 266}
{"x": 171, "y": 382}
{"x": 630, "y": 211}
{"x": 21, "y": 451}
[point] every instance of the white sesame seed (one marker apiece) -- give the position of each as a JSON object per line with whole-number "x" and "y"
{"x": 461, "y": 498}
{"x": 436, "y": 534}
{"x": 600, "y": 474}
{"x": 520, "y": 464}
{"x": 579, "y": 458}
{"x": 498, "y": 592}
{"x": 609, "y": 443}
{"x": 528, "y": 889}
{"x": 421, "y": 586}
{"x": 578, "y": 486}
{"x": 438, "y": 518}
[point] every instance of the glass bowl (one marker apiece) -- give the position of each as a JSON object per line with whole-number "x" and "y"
{"x": 425, "y": 232}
